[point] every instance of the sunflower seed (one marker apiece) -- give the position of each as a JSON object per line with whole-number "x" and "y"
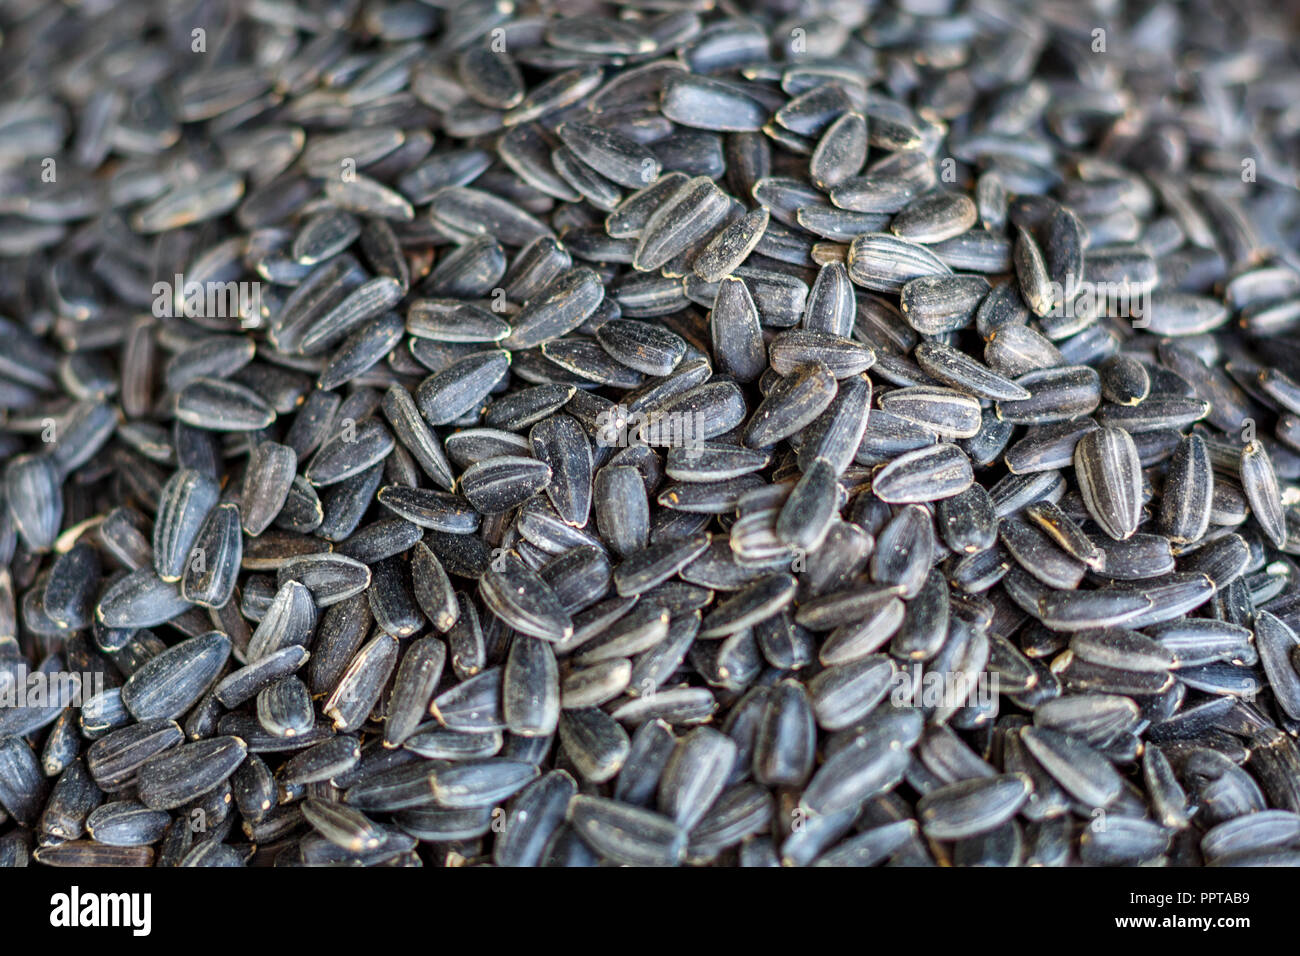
{"x": 608, "y": 347}
{"x": 1259, "y": 482}
{"x": 885, "y": 263}
{"x": 171, "y": 779}
{"x": 520, "y": 597}
{"x": 626, "y": 834}
{"x": 166, "y": 686}
{"x": 1110, "y": 480}
{"x": 797, "y": 399}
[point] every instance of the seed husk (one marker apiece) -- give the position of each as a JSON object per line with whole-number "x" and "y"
{"x": 931, "y": 473}
{"x": 1110, "y": 480}
{"x": 675, "y": 404}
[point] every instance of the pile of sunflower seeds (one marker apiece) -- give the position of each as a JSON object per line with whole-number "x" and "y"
{"x": 651, "y": 432}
